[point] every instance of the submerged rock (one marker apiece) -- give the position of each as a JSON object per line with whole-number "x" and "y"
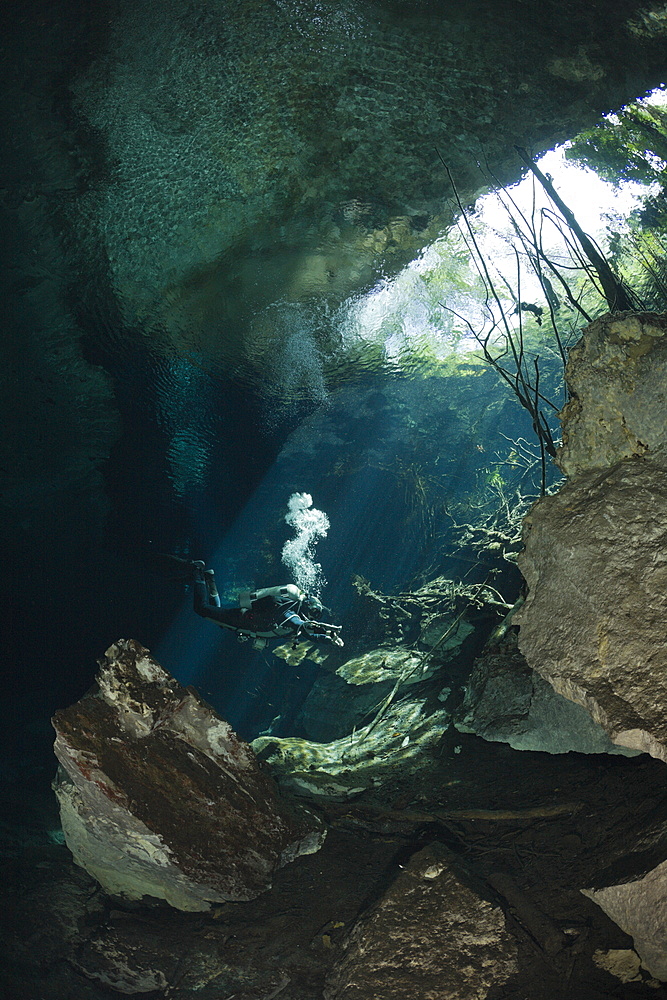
{"x": 593, "y": 624}
{"x": 402, "y": 735}
{"x": 159, "y": 797}
{"x": 430, "y": 936}
{"x": 360, "y": 685}
{"x": 640, "y": 909}
{"x": 507, "y": 702}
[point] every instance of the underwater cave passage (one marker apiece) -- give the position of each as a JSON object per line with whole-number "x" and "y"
{"x": 256, "y": 318}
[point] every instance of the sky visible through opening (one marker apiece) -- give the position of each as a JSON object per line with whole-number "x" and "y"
{"x": 419, "y": 307}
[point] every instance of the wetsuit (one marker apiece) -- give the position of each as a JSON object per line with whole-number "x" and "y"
{"x": 269, "y": 614}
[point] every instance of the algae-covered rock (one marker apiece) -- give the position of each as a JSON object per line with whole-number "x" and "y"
{"x": 358, "y": 688}
{"x": 399, "y": 735}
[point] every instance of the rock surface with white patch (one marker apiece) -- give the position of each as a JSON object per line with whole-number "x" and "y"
{"x": 640, "y": 909}
{"x": 160, "y": 798}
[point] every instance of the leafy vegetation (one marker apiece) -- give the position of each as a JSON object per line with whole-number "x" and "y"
{"x": 631, "y": 146}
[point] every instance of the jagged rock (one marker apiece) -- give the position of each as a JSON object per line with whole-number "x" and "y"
{"x": 593, "y": 624}
{"x": 617, "y": 375}
{"x": 507, "y": 702}
{"x": 159, "y": 797}
{"x": 430, "y": 936}
{"x": 640, "y": 909}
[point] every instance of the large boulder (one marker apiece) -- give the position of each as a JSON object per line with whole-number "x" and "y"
{"x": 507, "y": 702}
{"x": 159, "y": 797}
{"x": 593, "y": 624}
{"x": 432, "y": 935}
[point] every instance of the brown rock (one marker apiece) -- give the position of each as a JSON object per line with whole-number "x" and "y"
{"x": 431, "y": 936}
{"x": 595, "y": 621}
{"x": 159, "y": 797}
{"x": 508, "y": 702}
{"x": 617, "y": 375}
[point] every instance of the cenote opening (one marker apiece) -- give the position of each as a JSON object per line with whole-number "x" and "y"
{"x": 358, "y": 310}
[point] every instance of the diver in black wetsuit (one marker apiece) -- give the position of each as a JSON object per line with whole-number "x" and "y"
{"x": 272, "y": 613}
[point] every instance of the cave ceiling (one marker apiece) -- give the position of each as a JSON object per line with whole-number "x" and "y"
{"x": 231, "y": 154}
{"x": 256, "y": 152}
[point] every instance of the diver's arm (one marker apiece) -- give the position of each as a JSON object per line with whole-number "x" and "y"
{"x": 331, "y": 637}
{"x": 315, "y": 631}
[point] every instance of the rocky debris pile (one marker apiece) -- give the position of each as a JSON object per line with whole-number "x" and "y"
{"x": 431, "y": 935}
{"x": 523, "y": 832}
{"x": 160, "y": 798}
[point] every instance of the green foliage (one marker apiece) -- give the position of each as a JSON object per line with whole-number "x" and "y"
{"x": 628, "y": 146}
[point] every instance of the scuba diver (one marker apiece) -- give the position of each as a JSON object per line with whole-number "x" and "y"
{"x": 271, "y": 613}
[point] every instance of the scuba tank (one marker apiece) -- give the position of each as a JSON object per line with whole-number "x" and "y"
{"x": 281, "y": 595}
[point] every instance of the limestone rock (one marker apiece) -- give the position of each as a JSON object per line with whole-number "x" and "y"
{"x": 507, "y": 702}
{"x": 617, "y": 374}
{"x": 624, "y": 963}
{"x": 640, "y": 909}
{"x": 595, "y": 621}
{"x": 159, "y": 797}
{"x": 430, "y": 936}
